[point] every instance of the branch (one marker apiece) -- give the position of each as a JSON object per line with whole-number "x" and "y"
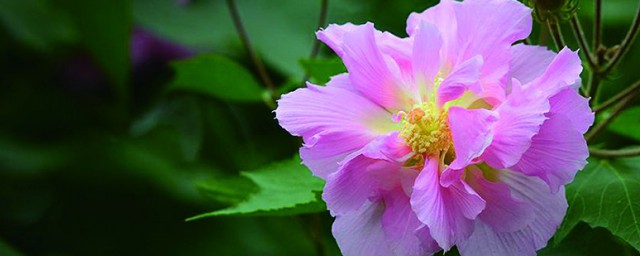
{"x": 615, "y": 153}
{"x": 556, "y": 34}
{"x": 597, "y": 26}
{"x": 599, "y": 127}
{"x": 579, "y": 33}
{"x": 262, "y": 72}
{"x": 634, "y": 89}
{"x": 624, "y": 46}
{"x": 322, "y": 19}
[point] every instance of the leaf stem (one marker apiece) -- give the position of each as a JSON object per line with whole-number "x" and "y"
{"x": 634, "y": 89}
{"x": 599, "y": 127}
{"x": 244, "y": 37}
{"x": 629, "y": 152}
{"x": 556, "y": 34}
{"x": 597, "y": 26}
{"x": 579, "y": 34}
{"x": 624, "y": 46}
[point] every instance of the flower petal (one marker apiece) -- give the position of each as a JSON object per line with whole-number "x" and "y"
{"x": 549, "y": 210}
{"x": 521, "y": 116}
{"x": 471, "y": 130}
{"x": 447, "y": 211}
{"x": 569, "y": 103}
{"x": 333, "y": 36}
{"x": 557, "y": 152}
{"x": 426, "y": 56}
{"x": 529, "y": 62}
{"x": 323, "y": 151}
{"x": 360, "y": 232}
{"x": 563, "y": 72}
{"x": 461, "y": 78}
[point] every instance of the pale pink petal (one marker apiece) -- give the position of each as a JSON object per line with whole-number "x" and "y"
{"x": 563, "y": 72}
{"x": 459, "y": 80}
{"x": 549, "y": 211}
{"x": 323, "y": 151}
{"x": 521, "y": 116}
{"x": 529, "y": 62}
{"x": 444, "y": 18}
{"x": 573, "y": 106}
{"x": 447, "y": 211}
{"x": 426, "y": 56}
{"x": 503, "y": 213}
{"x": 375, "y": 75}
{"x": 401, "y": 226}
{"x": 471, "y": 130}
{"x": 360, "y": 232}
{"x": 312, "y": 110}
{"x": 557, "y": 152}
{"x": 333, "y": 36}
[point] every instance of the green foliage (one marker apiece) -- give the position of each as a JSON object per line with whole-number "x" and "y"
{"x": 216, "y": 76}
{"x": 284, "y": 188}
{"x": 606, "y": 194}
{"x": 627, "y": 123}
{"x": 7, "y": 250}
{"x": 320, "y": 70}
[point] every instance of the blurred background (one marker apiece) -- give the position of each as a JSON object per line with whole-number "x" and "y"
{"x": 120, "y": 119}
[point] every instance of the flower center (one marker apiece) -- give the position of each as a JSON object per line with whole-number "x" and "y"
{"x": 425, "y": 129}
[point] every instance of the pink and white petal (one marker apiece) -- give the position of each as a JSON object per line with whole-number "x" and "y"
{"x": 323, "y": 151}
{"x": 569, "y": 103}
{"x": 563, "y": 72}
{"x": 390, "y": 147}
{"x": 447, "y": 211}
{"x": 359, "y": 179}
{"x": 375, "y": 75}
{"x": 426, "y": 56}
{"x": 503, "y": 213}
{"x": 529, "y": 62}
{"x": 471, "y": 130}
{"x": 401, "y": 226}
{"x": 459, "y": 80}
{"x": 360, "y": 232}
{"x": 333, "y": 36}
{"x": 557, "y": 152}
{"x": 308, "y": 111}
{"x": 549, "y": 210}
{"x": 444, "y": 18}
{"x": 521, "y": 116}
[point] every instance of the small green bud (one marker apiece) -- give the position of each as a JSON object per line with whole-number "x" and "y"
{"x": 552, "y": 10}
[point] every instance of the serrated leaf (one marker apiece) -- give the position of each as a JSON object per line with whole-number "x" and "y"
{"x": 216, "y": 76}
{"x": 320, "y": 70}
{"x": 283, "y": 187}
{"x": 606, "y": 194}
{"x": 627, "y": 123}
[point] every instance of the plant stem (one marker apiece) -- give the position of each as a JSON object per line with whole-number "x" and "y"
{"x": 244, "y": 37}
{"x": 322, "y": 19}
{"x": 634, "y": 89}
{"x": 615, "y": 153}
{"x": 597, "y": 26}
{"x": 579, "y": 34}
{"x": 599, "y": 127}
{"x": 624, "y": 46}
{"x": 556, "y": 34}
{"x": 594, "y": 84}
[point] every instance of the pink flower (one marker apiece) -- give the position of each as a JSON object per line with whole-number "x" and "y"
{"x": 451, "y": 136}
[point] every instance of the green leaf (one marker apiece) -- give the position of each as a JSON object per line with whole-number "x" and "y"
{"x": 285, "y": 187}
{"x": 8, "y": 250}
{"x": 606, "y": 194}
{"x": 104, "y": 27}
{"x": 320, "y": 70}
{"x": 627, "y": 123}
{"x": 216, "y": 76}
{"x": 36, "y": 23}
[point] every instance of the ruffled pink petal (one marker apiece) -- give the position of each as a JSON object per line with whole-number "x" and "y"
{"x": 549, "y": 209}
{"x": 459, "y": 80}
{"x": 529, "y": 62}
{"x": 402, "y": 227}
{"x": 323, "y": 151}
{"x": 333, "y": 36}
{"x": 426, "y": 56}
{"x": 557, "y": 152}
{"x": 563, "y": 72}
{"x": 503, "y": 213}
{"x": 360, "y": 232}
{"x": 447, "y": 211}
{"x": 471, "y": 130}
{"x": 521, "y": 116}
{"x": 375, "y": 75}
{"x": 315, "y": 109}
{"x": 573, "y": 106}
